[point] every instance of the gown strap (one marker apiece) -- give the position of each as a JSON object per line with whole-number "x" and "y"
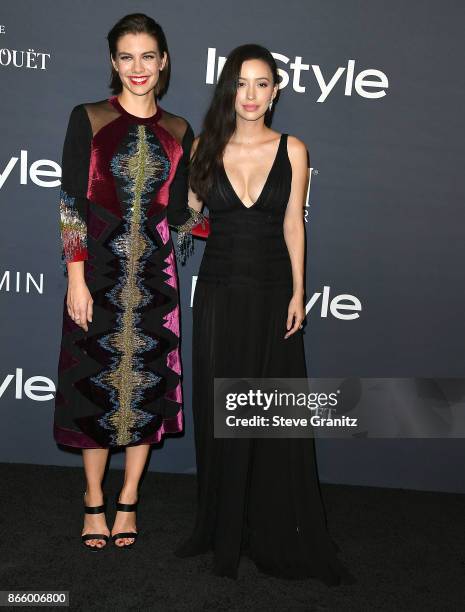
{"x": 282, "y": 155}
{"x": 283, "y": 143}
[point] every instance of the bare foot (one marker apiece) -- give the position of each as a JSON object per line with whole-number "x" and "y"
{"x": 125, "y": 521}
{"x": 95, "y": 523}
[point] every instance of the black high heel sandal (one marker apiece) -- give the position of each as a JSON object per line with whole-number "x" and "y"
{"x": 125, "y": 534}
{"x": 94, "y": 536}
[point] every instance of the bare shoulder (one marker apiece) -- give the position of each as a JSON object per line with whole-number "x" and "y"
{"x": 297, "y": 151}
{"x": 296, "y": 146}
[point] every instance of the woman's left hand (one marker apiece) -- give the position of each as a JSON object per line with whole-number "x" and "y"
{"x": 295, "y": 315}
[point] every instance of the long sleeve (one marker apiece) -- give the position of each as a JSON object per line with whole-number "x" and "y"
{"x": 73, "y": 193}
{"x": 185, "y": 220}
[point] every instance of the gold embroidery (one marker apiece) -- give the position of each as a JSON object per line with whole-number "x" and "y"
{"x": 140, "y": 167}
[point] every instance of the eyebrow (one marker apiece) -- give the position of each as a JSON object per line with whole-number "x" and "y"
{"x": 257, "y": 79}
{"x": 127, "y": 53}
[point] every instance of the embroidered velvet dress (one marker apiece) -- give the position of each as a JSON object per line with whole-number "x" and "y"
{"x": 124, "y": 180}
{"x": 259, "y": 497}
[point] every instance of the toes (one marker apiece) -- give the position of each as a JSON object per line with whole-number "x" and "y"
{"x": 121, "y": 542}
{"x": 95, "y": 543}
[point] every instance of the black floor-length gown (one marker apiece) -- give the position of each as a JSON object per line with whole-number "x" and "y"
{"x": 257, "y": 496}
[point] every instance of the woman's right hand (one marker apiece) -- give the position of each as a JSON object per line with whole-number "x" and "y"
{"x": 80, "y": 303}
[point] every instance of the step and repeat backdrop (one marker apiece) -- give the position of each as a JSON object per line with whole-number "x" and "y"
{"x": 375, "y": 90}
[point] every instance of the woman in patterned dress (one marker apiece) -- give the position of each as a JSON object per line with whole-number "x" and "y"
{"x": 124, "y": 181}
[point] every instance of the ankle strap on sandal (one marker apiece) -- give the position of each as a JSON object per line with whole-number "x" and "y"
{"x": 126, "y": 507}
{"x": 94, "y": 509}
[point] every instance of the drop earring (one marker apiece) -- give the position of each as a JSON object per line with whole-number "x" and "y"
{"x": 270, "y": 106}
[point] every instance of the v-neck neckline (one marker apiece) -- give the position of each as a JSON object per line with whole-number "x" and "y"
{"x": 265, "y": 184}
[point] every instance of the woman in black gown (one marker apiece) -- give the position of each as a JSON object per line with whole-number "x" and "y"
{"x": 124, "y": 179}
{"x": 259, "y": 496}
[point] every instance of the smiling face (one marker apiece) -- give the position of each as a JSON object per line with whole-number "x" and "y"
{"x": 138, "y": 62}
{"x": 255, "y": 90}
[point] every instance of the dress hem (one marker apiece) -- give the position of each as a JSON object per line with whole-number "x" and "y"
{"x": 77, "y": 439}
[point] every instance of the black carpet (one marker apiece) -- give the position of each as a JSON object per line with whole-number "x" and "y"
{"x": 406, "y": 549}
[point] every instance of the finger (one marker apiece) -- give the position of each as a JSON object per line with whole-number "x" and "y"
{"x": 90, "y": 311}
{"x": 294, "y": 328}
{"x": 74, "y": 312}
{"x": 81, "y": 318}
{"x": 82, "y": 314}
{"x": 290, "y": 332}
{"x": 290, "y": 317}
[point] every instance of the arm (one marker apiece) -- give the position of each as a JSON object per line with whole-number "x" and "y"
{"x": 184, "y": 210}
{"x": 73, "y": 214}
{"x": 294, "y": 232}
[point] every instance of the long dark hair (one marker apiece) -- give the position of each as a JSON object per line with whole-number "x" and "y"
{"x": 220, "y": 120}
{"x": 138, "y": 23}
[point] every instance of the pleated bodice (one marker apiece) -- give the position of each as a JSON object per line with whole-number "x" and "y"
{"x": 246, "y": 245}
